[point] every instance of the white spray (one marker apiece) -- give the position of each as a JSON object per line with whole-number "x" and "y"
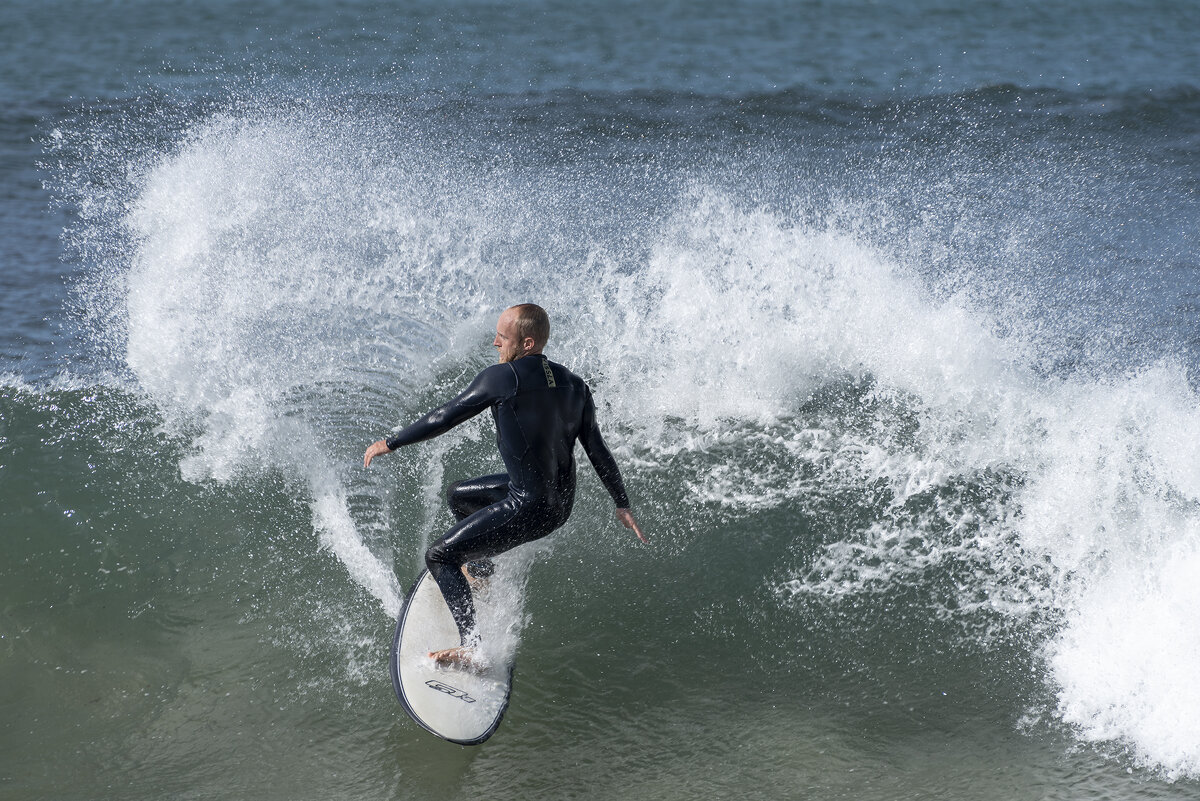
{"x": 280, "y": 275}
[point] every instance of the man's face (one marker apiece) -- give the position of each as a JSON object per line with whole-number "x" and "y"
{"x": 506, "y": 341}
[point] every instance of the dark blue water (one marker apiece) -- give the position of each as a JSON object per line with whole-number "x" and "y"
{"x": 890, "y": 309}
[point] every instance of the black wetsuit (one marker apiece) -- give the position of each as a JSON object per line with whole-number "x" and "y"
{"x": 541, "y": 408}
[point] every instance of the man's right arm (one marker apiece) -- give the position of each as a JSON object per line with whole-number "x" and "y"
{"x": 600, "y": 456}
{"x": 606, "y": 466}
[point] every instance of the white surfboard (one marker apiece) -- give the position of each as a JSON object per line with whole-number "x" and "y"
{"x": 459, "y": 705}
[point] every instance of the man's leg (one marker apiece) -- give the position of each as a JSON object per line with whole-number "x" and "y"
{"x": 488, "y": 532}
{"x": 465, "y": 498}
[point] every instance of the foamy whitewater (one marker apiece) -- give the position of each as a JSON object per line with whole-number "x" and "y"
{"x": 297, "y": 267}
{"x": 889, "y": 314}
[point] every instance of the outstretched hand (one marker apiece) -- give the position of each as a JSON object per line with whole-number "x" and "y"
{"x": 376, "y": 449}
{"x": 626, "y": 518}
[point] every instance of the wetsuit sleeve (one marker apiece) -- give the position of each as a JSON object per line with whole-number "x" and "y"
{"x": 600, "y": 456}
{"x": 486, "y": 390}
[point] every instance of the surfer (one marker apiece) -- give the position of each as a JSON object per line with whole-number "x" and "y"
{"x": 540, "y": 409}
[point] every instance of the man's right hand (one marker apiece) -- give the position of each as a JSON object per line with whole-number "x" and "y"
{"x": 626, "y": 518}
{"x": 376, "y": 449}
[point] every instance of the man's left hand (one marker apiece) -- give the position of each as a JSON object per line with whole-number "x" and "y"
{"x": 376, "y": 449}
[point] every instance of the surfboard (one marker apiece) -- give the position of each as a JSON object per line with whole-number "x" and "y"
{"x": 459, "y": 705}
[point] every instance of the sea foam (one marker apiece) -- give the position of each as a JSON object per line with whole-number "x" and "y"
{"x": 283, "y": 269}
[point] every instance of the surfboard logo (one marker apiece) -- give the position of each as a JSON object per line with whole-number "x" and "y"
{"x": 453, "y": 692}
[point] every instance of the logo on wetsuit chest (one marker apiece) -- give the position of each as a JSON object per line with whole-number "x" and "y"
{"x": 549, "y": 372}
{"x": 453, "y": 692}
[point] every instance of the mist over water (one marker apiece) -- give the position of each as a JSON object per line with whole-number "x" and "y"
{"x": 294, "y": 281}
{"x": 901, "y": 378}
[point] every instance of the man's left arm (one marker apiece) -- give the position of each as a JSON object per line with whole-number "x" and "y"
{"x": 481, "y": 394}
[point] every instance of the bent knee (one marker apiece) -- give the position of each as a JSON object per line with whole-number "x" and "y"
{"x": 459, "y": 501}
{"x": 439, "y": 556}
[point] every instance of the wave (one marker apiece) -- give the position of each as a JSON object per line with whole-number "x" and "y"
{"x": 288, "y": 287}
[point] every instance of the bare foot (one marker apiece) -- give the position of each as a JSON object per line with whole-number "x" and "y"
{"x": 477, "y": 581}
{"x": 461, "y": 657}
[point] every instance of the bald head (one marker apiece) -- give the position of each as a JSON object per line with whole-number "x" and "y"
{"x": 532, "y": 323}
{"x": 521, "y": 331}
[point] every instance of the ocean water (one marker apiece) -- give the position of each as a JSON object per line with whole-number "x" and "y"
{"x": 891, "y": 310}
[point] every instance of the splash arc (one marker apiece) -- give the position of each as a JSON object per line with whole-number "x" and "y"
{"x": 461, "y": 706}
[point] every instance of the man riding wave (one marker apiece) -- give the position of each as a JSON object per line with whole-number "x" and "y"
{"x": 540, "y": 409}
